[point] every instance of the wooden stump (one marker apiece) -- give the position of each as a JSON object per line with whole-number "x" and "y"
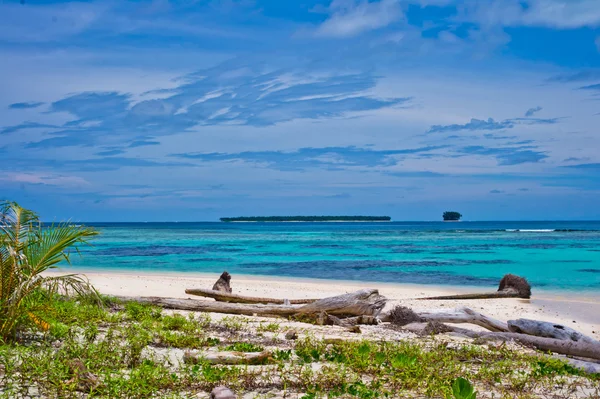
{"x": 223, "y": 283}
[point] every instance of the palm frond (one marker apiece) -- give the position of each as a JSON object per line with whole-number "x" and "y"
{"x": 52, "y": 245}
{"x": 16, "y": 222}
{"x": 27, "y": 249}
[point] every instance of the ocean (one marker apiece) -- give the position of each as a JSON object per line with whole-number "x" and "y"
{"x": 551, "y": 255}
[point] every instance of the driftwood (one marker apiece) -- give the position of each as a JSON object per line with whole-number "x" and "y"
{"x": 510, "y": 286}
{"x": 353, "y": 321}
{"x": 229, "y": 358}
{"x": 234, "y": 298}
{"x": 223, "y": 283}
{"x": 461, "y": 315}
{"x": 548, "y": 330}
{"x": 571, "y": 348}
{"x": 588, "y": 367}
{"x": 222, "y": 392}
{"x": 364, "y": 302}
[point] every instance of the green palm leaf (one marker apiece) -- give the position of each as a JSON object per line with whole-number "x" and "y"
{"x": 27, "y": 250}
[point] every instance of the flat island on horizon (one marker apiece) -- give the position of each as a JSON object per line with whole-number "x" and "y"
{"x": 307, "y": 219}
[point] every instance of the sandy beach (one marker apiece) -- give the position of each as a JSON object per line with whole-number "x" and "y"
{"x": 581, "y": 312}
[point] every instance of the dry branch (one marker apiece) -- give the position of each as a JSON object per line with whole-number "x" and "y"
{"x": 229, "y": 358}
{"x": 234, "y": 298}
{"x": 571, "y": 348}
{"x": 510, "y": 286}
{"x": 363, "y": 302}
{"x": 461, "y": 315}
{"x": 548, "y": 330}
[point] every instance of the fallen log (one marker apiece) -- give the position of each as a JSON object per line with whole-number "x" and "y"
{"x": 586, "y": 366}
{"x": 234, "y": 298}
{"x": 571, "y": 348}
{"x": 510, "y": 286}
{"x": 227, "y": 358}
{"x": 363, "y": 302}
{"x": 461, "y": 315}
{"x": 548, "y": 330}
{"x": 353, "y": 321}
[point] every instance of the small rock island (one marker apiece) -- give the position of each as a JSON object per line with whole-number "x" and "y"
{"x": 308, "y": 219}
{"x": 451, "y": 216}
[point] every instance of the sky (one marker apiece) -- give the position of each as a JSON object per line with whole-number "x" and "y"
{"x": 194, "y": 110}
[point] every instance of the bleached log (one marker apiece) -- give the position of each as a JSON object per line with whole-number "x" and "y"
{"x": 353, "y": 321}
{"x": 461, "y": 315}
{"x": 588, "y": 367}
{"x": 234, "y": 298}
{"x": 571, "y": 348}
{"x": 363, "y": 302}
{"x": 222, "y": 392}
{"x": 227, "y": 358}
{"x": 213, "y": 307}
{"x": 510, "y": 286}
{"x": 548, "y": 330}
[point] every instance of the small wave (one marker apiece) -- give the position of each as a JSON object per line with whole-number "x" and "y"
{"x": 531, "y": 230}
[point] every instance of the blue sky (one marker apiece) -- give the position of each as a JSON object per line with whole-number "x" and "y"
{"x": 193, "y": 110}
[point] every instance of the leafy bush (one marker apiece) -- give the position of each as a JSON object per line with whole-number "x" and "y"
{"x": 27, "y": 249}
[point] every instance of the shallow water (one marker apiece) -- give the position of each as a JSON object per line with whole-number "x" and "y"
{"x": 552, "y": 255}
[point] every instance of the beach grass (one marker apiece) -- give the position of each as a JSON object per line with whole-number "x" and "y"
{"x": 137, "y": 351}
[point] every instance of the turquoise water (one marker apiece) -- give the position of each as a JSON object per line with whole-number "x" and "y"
{"x": 554, "y": 255}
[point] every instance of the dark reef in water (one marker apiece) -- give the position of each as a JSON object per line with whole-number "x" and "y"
{"x": 589, "y": 270}
{"x": 308, "y": 219}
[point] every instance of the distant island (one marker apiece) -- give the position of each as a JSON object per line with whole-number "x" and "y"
{"x": 450, "y": 216}
{"x": 308, "y": 219}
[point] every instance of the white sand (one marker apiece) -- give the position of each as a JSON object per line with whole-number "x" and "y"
{"x": 580, "y": 312}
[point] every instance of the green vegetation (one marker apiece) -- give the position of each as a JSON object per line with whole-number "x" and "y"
{"x": 119, "y": 351}
{"x": 308, "y": 219}
{"x": 451, "y": 216}
{"x": 27, "y": 249}
{"x": 58, "y": 345}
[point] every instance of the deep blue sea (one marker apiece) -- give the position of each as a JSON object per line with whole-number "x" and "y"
{"x": 551, "y": 255}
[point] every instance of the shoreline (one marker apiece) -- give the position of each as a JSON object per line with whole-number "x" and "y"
{"x": 579, "y": 293}
{"x": 576, "y": 311}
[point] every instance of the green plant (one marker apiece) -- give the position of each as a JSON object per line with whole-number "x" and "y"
{"x": 27, "y": 250}
{"x": 271, "y": 327}
{"x": 244, "y": 347}
{"x": 463, "y": 389}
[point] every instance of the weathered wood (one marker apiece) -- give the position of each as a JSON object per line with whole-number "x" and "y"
{"x": 483, "y": 295}
{"x": 223, "y": 283}
{"x": 510, "y": 286}
{"x": 228, "y": 358}
{"x": 222, "y": 392}
{"x": 548, "y": 330}
{"x": 234, "y": 298}
{"x": 213, "y": 307}
{"x": 461, "y": 315}
{"x": 588, "y": 367}
{"x": 571, "y": 348}
{"x": 363, "y": 302}
{"x": 353, "y": 321}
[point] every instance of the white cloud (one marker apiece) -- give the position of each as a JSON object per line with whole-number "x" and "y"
{"x": 349, "y": 18}
{"x": 47, "y": 179}
{"x": 559, "y": 14}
